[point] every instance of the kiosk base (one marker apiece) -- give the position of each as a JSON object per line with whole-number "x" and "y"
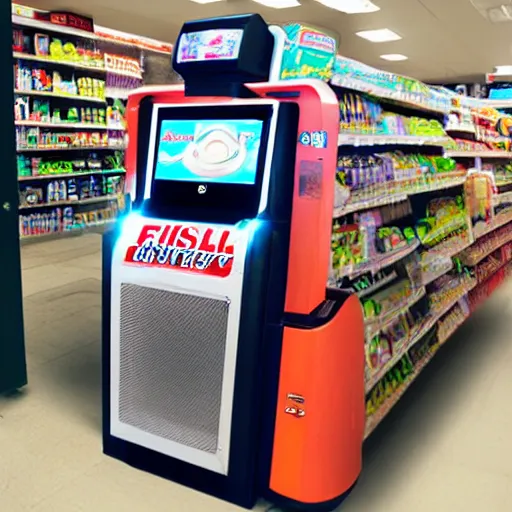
{"x": 179, "y": 472}
{"x": 289, "y": 505}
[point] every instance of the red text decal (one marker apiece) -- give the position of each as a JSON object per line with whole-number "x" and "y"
{"x": 186, "y": 248}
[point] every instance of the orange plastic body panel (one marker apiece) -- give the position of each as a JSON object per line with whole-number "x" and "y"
{"x": 317, "y": 456}
{"x": 311, "y": 230}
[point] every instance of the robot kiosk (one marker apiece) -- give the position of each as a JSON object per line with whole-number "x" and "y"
{"x": 229, "y": 366}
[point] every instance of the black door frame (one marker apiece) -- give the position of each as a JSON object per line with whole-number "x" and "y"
{"x": 13, "y": 371}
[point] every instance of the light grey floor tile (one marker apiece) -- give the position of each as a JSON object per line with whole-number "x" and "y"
{"x": 446, "y": 446}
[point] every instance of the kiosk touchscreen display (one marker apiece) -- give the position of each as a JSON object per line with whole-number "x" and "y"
{"x": 208, "y": 162}
{"x": 209, "y": 151}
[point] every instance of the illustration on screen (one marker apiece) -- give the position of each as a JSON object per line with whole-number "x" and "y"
{"x": 210, "y": 45}
{"x": 209, "y": 151}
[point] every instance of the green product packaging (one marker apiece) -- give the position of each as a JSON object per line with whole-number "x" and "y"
{"x": 309, "y": 53}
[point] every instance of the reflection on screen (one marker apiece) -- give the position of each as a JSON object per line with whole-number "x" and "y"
{"x": 220, "y": 151}
{"x": 220, "y": 44}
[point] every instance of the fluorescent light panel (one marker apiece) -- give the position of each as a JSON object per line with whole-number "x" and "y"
{"x": 278, "y": 4}
{"x": 351, "y": 6}
{"x": 206, "y": 1}
{"x": 394, "y": 57}
{"x": 382, "y": 35}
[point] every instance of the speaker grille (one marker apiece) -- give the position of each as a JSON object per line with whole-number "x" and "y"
{"x": 171, "y": 364}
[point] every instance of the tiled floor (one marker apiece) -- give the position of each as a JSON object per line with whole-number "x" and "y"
{"x": 447, "y": 446}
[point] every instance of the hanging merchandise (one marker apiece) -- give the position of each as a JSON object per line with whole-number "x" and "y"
{"x": 310, "y": 53}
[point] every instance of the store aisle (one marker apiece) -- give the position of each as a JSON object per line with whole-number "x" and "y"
{"x": 446, "y": 447}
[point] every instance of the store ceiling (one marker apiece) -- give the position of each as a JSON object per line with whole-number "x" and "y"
{"x": 445, "y": 40}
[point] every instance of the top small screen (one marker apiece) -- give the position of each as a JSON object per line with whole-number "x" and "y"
{"x": 208, "y": 45}
{"x": 209, "y": 151}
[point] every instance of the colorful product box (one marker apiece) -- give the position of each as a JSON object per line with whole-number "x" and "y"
{"x": 309, "y": 53}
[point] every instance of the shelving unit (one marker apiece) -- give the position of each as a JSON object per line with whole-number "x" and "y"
{"x": 65, "y": 117}
{"x": 56, "y": 62}
{"x": 76, "y": 126}
{"x": 71, "y": 90}
{"x": 59, "y": 95}
{"x": 407, "y": 208}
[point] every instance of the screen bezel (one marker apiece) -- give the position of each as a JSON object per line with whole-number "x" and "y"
{"x": 222, "y": 202}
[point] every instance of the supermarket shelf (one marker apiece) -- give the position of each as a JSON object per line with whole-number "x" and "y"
{"x": 381, "y": 93}
{"x": 376, "y": 325}
{"x": 417, "y": 335}
{"x": 48, "y": 60}
{"x": 378, "y": 285}
{"x": 504, "y": 198}
{"x": 368, "y": 204}
{"x": 91, "y": 200}
{"x": 446, "y": 249}
{"x": 382, "y": 412}
{"x": 499, "y": 220}
{"x": 444, "y": 183}
{"x": 378, "y": 263}
{"x": 471, "y": 129}
{"x": 99, "y": 227}
{"x": 131, "y": 40}
{"x": 495, "y": 270}
{"x": 349, "y": 139}
{"x": 100, "y": 34}
{"x": 72, "y": 148}
{"x": 439, "y": 313}
{"x": 51, "y": 94}
{"x": 482, "y": 257}
{"x": 385, "y": 199}
{"x": 375, "y": 419}
{"x": 51, "y": 27}
{"x": 478, "y": 154}
{"x": 443, "y": 339}
{"x": 428, "y": 278}
{"x": 124, "y": 73}
{"x": 69, "y": 175}
{"x": 83, "y": 126}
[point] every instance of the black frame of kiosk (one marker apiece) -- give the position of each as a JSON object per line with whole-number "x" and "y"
{"x": 13, "y": 371}
{"x": 261, "y": 331}
{"x": 180, "y": 199}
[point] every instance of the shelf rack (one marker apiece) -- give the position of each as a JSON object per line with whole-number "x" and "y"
{"x": 97, "y": 68}
{"x": 434, "y": 263}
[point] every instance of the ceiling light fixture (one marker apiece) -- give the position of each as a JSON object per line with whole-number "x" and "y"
{"x": 351, "y": 6}
{"x": 382, "y": 35}
{"x": 278, "y": 4}
{"x": 395, "y": 57}
{"x": 206, "y": 1}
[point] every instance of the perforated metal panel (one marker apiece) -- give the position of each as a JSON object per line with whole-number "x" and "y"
{"x": 172, "y": 348}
